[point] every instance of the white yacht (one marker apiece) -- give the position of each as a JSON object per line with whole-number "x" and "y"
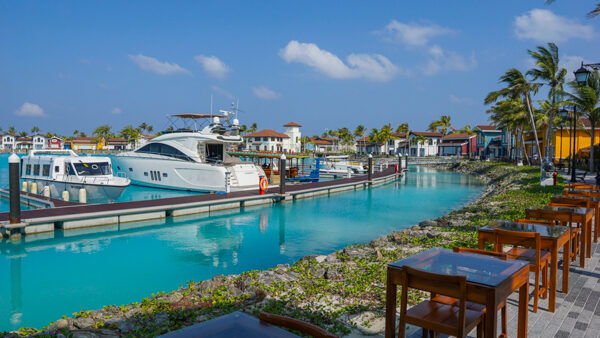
{"x": 192, "y": 158}
{"x": 340, "y": 165}
{"x": 61, "y": 170}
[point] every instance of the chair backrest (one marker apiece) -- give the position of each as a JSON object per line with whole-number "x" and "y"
{"x": 448, "y": 285}
{"x": 500, "y": 255}
{"x": 566, "y": 202}
{"x": 563, "y": 217}
{"x": 530, "y": 240}
{"x": 295, "y": 324}
{"x": 533, "y": 221}
{"x": 579, "y": 185}
{"x": 580, "y": 193}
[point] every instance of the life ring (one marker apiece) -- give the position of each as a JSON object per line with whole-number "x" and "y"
{"x": 263, "y": 184}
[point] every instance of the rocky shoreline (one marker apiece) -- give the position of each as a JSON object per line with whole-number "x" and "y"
{"x": 343, "y": 291}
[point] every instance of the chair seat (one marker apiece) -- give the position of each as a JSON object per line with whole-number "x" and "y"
{"x": 435, "y": 316}
{"x": 526, "y": 254}
{"x": 454, "y": 301}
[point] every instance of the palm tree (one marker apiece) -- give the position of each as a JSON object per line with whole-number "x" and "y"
{"x": 35, "y": 129}
{"x": 11, "y": 129}
{"x": 149, "y": 128}
{"x": 82, "y": 134}
{"x": 516, "y": 86}
{"x": 587, "y": 98}
{"x": 442, "y": 125}
{"x": 76, "y": 132}
{"x": 402, "y": 128}
{"x": 592, "y": 14}
{"x": 359, "y": 131}
{"x": 130, "y": 133}
{"x": 511, "y": 114}
{"x": 548, "y": 69}
{"x": 143, "y": 127}
{"x": 253, "y": 128}
{"x": 386, "y": 135}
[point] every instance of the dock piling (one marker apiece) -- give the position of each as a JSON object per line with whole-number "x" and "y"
{"x": 15, "y": 194}
{"x": 282, "y": 161}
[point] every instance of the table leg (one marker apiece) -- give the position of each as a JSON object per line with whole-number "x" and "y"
{"x": 582, "y": 244}
{"x": 523, "y": 309}
{"x": 491, "y": 316}
{"x": 566, "y": 264}
{"x": 588, "y": 249}
{"x": 480, "y": 241}
{"x": 390, "y": 307}
{"x": 596, "y": 223}
{"x": 553, "y": 273}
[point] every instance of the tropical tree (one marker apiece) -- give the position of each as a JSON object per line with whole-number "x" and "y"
{"x": 76, "y": 132}
{"x": 442, "y": 125}
{"x": 517, "y": 86}
{"x": 130, "y": 133}
{"x": 243, "y": 129}
{"x": 386, "y": 135}
{"x": 402, "y": 128}
{"x": 102, "y": 131}
{"x": 82, "y": 134}
{"x": 418, "y": 139}
{"x": 549, "y": 70}
{"x": 587, "y": 99}
{"x": 35, "y": 130}
{"x": 592, "y": 14}
{"x": 143, "y": 127}
{"x": 253, "y": 128}
{"x": 511, "y": 114}
{"x": 23, "y": 134}
{"x": 11, "y": 129}
{"x": 359, "y": 131}
{"x": 149, "y": 128}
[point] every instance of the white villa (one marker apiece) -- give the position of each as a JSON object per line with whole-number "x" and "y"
{"x": 270, "y": 140}
{"x": 9, "y": 141}
{"x": 428, "y": 147}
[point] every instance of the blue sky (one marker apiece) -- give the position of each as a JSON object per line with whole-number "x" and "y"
{"x": 70, "y": 65}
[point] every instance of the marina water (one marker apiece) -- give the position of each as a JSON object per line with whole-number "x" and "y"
{"x": 47, "y": 276}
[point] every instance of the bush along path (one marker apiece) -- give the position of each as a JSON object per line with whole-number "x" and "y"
{"x": 343, "y": 292}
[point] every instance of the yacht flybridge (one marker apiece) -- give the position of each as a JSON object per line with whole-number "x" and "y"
{"x": 192, "y": 158}
{"x": 56, "y": 171}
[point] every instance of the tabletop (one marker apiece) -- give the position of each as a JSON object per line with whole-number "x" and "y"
{"x": 547, "y": 231}
{"x": 478, "y": 269}
{"x": 574, "y": 210}
{"x": 589, "y": 198}
{"x": 235, "y": 324}
{"x": 584, "y": 190}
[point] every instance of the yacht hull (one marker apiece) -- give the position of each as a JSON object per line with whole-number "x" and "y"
{"x": 94, "y": 192}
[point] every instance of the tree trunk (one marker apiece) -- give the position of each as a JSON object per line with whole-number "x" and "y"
{"x": 549, "y": 131}
{"x": 537, "y": 142}
{"x": 524, "y": 147}
{"x": 508, "y": 143}
{"x": 592, "y": 148}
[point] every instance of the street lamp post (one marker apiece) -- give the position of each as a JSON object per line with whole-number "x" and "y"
{"x": 581, "y": 76}
{"x": 573, "y": 131}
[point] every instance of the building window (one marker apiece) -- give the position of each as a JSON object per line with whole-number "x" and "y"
{"x": 36, "y": 169}
{"x": 28, "y": 169}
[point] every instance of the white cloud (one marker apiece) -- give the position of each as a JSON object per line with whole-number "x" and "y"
{"x": 460, "y": 100}
{"x": 31, "y": 110}
{"x": 443, "y": 60}
{"x": 115, "y": 110}
{"x": 222, "y": 91}
{"x": 414, "y": 34}
{"x": 543, "y": 25}
{"x": 370, "y": 66}
{"x": 265, "y": 93}
{"x": 571, "y": 63}
{"x": 213, "y": 66}
{"x": 151, "y": 64}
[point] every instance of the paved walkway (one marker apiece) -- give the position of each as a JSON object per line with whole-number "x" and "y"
{"x": 577, "y": 313}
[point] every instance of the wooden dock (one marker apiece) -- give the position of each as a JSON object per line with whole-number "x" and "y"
{"x": 73, "y": 215}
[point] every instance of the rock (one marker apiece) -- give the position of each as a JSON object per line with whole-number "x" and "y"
{"x": 161, "y": 318}
{"x": 61, "y": 324}
{"x": 85, "y": 334}
{"x": 320, "y": 258}
{"x": 369, "y": 322}
{"x": 126, "y": 326}
{"x": 58, "y": 335}
{"x": 333, "y": 273}
{"x": 208, "y": 285}
{"x": 83, "y": 322}
{"x": 173, "y": 297}
{"x": 379, "y": 255}
{"x": 428, "y": 223}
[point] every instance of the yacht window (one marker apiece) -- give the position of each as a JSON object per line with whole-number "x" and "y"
{"x": 165, "y": 175}
{"x": 28, "y": 169}
{"x": 214, "y": 152}
{"x": 91, "y": 169}
{"x": 69, "y": 169}
{"x": 145, "y": 173}
{"x": 46, "y": 170}
{"x": 163, "y": 149}
{"x": 36, "y": 169}
{"x": 56, "y": 169}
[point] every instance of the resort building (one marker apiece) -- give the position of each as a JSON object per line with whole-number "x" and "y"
{"x": 270, "y": 140}
{"x": 116, "y": 144}
{"x": 458, "y": 144}
{"x": 24, "y": 143}
{"x": 54, "y": 143}
{"x": 83, "y": 143}
{"x": 364, "y": 146}
{"x": 322, "y": 145}
{"x": 424, "y": 143}
{"x": 397, "y": 144}
{"x": 8, "y": 141}
{"x": 490, "y": 140}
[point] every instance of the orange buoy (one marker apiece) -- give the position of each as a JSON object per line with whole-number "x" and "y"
{"x": 263, "y": 184}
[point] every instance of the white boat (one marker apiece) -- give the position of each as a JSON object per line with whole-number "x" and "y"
{"x": 191, "y": 158}
{"x": 340, "y": 165}
{"x": 64, "y": 170}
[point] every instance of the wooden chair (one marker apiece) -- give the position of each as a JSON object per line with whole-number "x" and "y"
{"x": 470, "y": 305}
{"x": 434, "y": 316}
{"x": 562, "y": 218}
{"x": 580, "y": 185}
{"x": 534, "y": 221}
{"x": 295, "y": 324}
{"x": 527, "y": 246}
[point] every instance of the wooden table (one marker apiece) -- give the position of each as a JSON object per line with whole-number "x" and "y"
{"x": 235, "y": 324}
{"x": 489, "y": 281}
{"x": 593, "y": 202}
{"x": 578, "y": 215}
{"x": 553, "y": 238}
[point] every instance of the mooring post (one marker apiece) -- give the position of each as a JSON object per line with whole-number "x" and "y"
{"x": 282, "y": 175}
{"x": 370, "y": 172}
{"x": 400, "y": 163}
{"x": 15, "y": 193}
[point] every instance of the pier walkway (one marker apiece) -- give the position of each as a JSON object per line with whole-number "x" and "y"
{"x": 87, "y": 215}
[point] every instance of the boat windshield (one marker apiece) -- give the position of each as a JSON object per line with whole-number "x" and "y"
{"x": 92, "y": 169}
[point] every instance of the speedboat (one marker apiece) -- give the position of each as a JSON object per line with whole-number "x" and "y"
{"x": 64, "y": 170}
{"x": 193, "y": 158}
{"x": 340, "y": 165}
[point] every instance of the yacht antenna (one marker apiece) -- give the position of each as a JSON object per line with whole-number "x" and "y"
{"x": 211, "y": 104}
{"x": 237, "y": 107}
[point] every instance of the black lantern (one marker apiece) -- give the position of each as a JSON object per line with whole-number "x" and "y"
{"x": 582, "y": 75}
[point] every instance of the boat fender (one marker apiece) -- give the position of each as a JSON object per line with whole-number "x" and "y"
{"x": 65, "y": 195}
{"x": 24, "y": 189}
{"x": 33, "y": 189}
{"x": 263, "y": 184}
{"x": 82, "y": 195}
{"x": 47, "y": 191}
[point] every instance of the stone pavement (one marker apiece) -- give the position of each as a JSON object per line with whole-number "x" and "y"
{"x": 577, "y": 313}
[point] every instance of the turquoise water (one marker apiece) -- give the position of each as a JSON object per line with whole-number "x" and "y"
{"x": 50, "y": 275}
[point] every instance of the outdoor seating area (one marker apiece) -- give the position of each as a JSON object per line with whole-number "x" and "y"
{"x": 478, "y": 292}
